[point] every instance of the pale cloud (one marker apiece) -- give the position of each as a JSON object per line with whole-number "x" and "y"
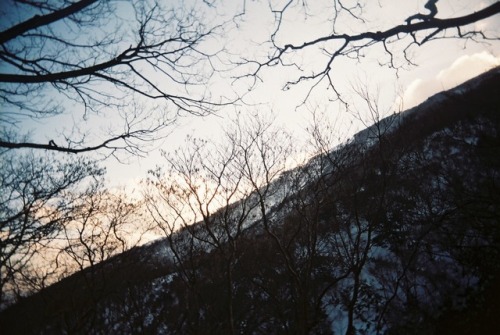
{"x": 462, "y": 69}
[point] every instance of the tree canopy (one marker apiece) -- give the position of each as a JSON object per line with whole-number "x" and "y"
{"x": 86, "y": 58}
{"x": 144, "y": 63}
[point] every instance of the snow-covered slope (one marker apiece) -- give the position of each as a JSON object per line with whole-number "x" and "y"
{"x": 395, "y": 232}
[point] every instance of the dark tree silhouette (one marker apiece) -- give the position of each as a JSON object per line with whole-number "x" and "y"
{"x": 37, "y": 199}
{"x": 139, "y": 63}
{"x": 350, "y": 37}
{"x": 144, "y": 64}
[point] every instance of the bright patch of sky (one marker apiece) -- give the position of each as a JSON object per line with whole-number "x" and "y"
{"x": 462, "y": 69}
{"x": 441, "y": 64}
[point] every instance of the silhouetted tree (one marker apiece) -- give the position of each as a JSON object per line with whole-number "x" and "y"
{"x": 353, "y": 31}
{"x": 139, "y": 63}
{"x": 203, "y": 204}
{"x": 37, "y": 200}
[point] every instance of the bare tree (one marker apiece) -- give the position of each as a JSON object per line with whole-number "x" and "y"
{"x": 203, "y": 204}
{"x": 139, "y": 63}
{"x": 293, "y": 213}
{"x": 101, "y": 225}
{"x": 353, "y": 31}
{"x": 37, "y": 200}
{"x": 147, "y": 63}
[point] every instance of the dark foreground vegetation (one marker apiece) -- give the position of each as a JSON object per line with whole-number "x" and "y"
{"x": 395, "y": 232}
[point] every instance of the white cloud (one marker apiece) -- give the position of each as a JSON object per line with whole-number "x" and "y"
{"x": 462, "y": 69}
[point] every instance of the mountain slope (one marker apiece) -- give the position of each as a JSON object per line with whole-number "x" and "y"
{"x": 395, "y": 232}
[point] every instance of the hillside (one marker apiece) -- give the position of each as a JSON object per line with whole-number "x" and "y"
{"x": 395, "y": 232}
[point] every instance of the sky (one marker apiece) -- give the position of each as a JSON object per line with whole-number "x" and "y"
{"x": 439, "y": 65}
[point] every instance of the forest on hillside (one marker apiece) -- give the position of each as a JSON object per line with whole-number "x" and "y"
{"x": 302, "y": 198}
{"x": 394, "y": 232}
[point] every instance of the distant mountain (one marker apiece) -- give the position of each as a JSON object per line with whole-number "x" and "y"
{"x": 395, "y": 232}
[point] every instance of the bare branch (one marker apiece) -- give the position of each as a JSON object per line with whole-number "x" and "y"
{"x": 38, "y": 21}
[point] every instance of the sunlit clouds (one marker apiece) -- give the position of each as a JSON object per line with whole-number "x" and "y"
{"x": 463, "y": 68}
